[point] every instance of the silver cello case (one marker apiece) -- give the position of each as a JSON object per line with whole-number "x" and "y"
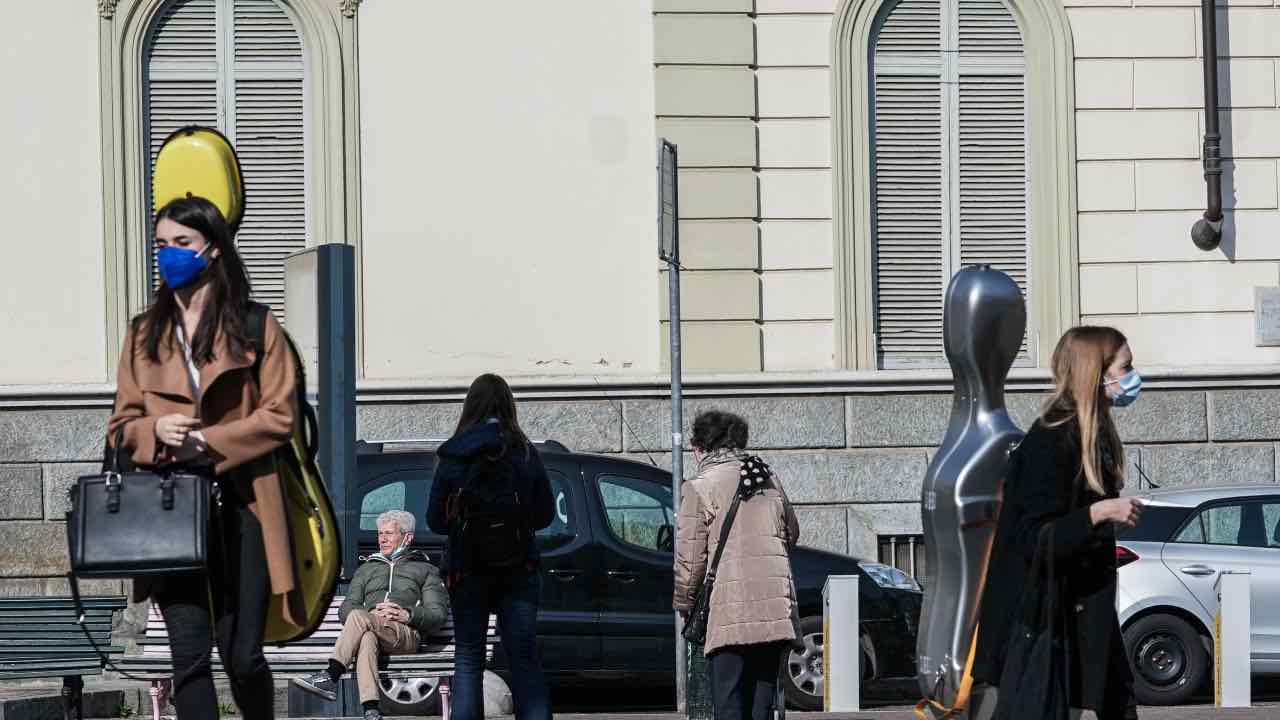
{"x": 983, "y": 326}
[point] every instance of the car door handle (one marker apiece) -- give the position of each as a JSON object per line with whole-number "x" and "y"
{"x": 625, "y": 576}
{"x": 1198, "y": 570}
{"x": 564, "y": 575}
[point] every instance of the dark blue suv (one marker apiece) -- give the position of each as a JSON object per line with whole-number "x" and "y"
{"x": 607, "y": 572}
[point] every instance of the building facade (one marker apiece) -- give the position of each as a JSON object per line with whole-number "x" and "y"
{"x": 494, "y": 166}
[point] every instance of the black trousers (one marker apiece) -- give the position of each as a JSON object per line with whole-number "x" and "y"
{"x": 744, "y": 680}
{"x": 240, "y": 590}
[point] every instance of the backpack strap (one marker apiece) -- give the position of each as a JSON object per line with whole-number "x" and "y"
{"x": 255, "y": 325}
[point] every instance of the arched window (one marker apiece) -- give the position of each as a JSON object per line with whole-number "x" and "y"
{"x": 237, "y": 65}
{"x": 949, "y": 180}
{"x": 954, "y": 147}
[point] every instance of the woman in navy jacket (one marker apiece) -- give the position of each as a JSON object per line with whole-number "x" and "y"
{"x": 488, "y": 432}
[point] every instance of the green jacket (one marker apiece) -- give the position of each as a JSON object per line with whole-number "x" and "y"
{"x": 414, "y": 585}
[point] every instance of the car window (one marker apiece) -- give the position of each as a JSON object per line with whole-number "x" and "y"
{"x": 379, "y": 500}
{"x": 639, "y": 511}
{"x": 564, "y": 524}
{"x": 1271, "y": 523}
{"x": 398, "y": 490}
{"x": 1218, "y": 525}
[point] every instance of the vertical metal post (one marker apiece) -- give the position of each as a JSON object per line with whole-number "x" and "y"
{"x": 669, "y": 250}
{"x": 336, "y": 391}
{"x": 677, "y": 452}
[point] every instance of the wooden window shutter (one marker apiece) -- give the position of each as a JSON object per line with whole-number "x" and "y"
{"x": 993, "y": 143}
{"x": 181, "y": 84}
{"x": 949, "y": 164}
{"x": 269, "y": 137}
{"x": 907, "y": 184}
{"x": 237, "y": 65}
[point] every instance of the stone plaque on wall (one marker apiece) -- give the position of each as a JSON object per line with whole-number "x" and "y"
{"x": 1266, "y": 314}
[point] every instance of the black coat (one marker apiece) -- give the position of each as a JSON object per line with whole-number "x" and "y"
{"x": 455, "y": 456}
{"x": 1046, "y": 485}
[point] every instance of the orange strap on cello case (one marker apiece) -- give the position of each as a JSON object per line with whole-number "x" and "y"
{"x": 962, "y": 695}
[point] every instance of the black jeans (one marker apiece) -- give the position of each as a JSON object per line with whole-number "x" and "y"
{"x": 744, "y": 680}
{"x": 240, "y": 590}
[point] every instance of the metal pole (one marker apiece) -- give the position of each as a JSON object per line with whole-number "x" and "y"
{"x": 669, "y": 221}
{"x": 677, "y": 454}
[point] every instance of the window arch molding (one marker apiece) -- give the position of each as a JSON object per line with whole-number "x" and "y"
{"x": 1050, "y": 92}
{"x": 327, "y": 32}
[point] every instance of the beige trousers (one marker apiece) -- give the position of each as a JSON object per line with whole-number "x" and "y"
{"x": 363, "y": 636}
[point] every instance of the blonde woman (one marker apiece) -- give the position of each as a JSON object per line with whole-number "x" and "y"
{"x": 1068, "y": 473}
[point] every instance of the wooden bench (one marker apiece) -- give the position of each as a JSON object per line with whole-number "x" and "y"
{"x": 434, "y": 659}
{"x": 40, "y": 638}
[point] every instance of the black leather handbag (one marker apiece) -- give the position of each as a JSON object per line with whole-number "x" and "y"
{"x": 1035, "y": 681}
{"x": 130, "y": 523}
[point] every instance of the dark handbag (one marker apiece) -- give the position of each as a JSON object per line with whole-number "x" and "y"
{"x": 1035, "y": 681}
{"x": 138, "y": 523}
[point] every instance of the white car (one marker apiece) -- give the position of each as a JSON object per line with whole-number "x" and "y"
{"x": 1169, "y": 566}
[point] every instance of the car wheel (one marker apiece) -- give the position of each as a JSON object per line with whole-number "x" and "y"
{"x": 804, "y": 672}
{"x": 410, "y": 696}
{"x": 1168, "y": 659}
{"x": 802, "y": 679}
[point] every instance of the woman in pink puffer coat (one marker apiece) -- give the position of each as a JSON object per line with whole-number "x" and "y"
{"x": 753, "y": 605}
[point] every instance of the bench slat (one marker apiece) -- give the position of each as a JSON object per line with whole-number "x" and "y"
{"x": 11, "y": 645}
{"x": 41, "y": 650}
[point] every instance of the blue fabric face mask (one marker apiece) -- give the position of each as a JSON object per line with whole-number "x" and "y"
{"x": 1130, "y": 385}
{"x": 179, "y": 266}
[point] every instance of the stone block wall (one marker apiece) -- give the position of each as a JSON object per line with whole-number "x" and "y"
{"x": 852, "y": 460}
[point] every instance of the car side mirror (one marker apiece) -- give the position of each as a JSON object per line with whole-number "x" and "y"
{"x": 666, "y": 538}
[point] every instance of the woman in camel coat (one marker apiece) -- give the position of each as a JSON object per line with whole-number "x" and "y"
{"x": 752, "y": 618}
{"x": 189, "y": 395}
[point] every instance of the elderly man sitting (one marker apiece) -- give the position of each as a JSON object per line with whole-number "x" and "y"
{"x": 396, "y": 598}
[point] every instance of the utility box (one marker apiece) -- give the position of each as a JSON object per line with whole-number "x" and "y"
{"x": 841, "y": 645}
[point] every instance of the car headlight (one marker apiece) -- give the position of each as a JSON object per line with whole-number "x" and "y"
{"x": 889, "y": 577}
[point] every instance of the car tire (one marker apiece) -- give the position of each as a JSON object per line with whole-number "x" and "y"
{"x": 409, "y": 696}
{"x": 1168, "y": 659}
{"x": 803, "y": 671}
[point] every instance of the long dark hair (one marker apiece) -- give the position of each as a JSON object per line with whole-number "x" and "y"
{"x": 228, "y": 305}
{"x": 490, "y": 397}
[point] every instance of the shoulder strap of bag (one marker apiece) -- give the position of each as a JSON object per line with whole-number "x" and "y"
{"x": 255, "y": 325}
{"x": 724, "y": 533}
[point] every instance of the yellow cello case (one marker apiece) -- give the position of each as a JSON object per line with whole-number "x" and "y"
{"x": 199, "y": 161}
{"x": 313, "y": 526}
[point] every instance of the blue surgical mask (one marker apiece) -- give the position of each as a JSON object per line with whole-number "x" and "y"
{"x": 179, "y": 266}
{"x": 399, "y": 549}
{"x": 1129, "y": 385}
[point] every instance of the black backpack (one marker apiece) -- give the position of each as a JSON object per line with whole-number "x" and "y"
{"x": 492, "y": 521}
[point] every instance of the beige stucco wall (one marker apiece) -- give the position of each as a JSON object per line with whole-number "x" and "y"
{"x": 1139, "y": 120}
{"x": 748, "y": 98}
{"x": 52, "y": 297}
{"x": 508, "y": 188}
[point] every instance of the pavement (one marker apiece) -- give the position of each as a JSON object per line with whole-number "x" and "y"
{"x": 38, "y": 701}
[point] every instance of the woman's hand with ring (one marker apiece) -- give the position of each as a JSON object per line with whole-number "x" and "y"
{"x": 172, "y": 430}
